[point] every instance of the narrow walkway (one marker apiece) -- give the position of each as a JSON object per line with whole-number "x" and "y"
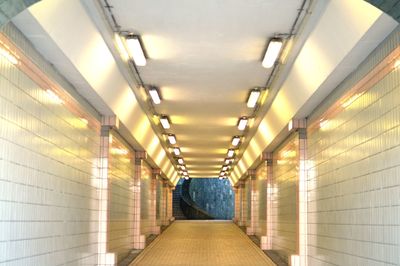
{"x": 211, "y": 243}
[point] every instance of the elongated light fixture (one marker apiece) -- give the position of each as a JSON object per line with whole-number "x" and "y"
{"x": 253, "y": 98}
{"x": 231, "y": 152}
{"x": 272, "y": 53}
{"x": 177, "y": 151}
{"x": 235, "y": 140}
{"x": 180, "y": 160}
{"x": 171, "y": 139}
{"x": 7, "y": 55}
{"x": 155, "y": 95}
{"x": 164, "y": 120}
{"x": 242, "y": 123}
{"x": 135, "y": 50}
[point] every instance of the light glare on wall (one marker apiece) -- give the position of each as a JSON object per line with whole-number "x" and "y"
{"x": 272, "y": 53}
{"x": 7, "y": 55}
{"x": 53, "y": 97}
{"x": 135, "y": 50}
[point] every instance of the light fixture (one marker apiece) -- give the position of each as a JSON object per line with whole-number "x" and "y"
{"x": 272, "y": 53}
{"x": 235, "y": 140}
{"x": 242, "y": 123}
{"x": 171, "y": 139}
{"x": 180, "y": 160}
{"x": 253, "y": 98}
{"x": 164, "y": 120}
{"x": 185, "y": 173}
{"x": 220, "y": 178}
{"x": 231, "y": 152}
{"x": 183, "y": 167}
{"x": 135, "y": 49}
{"x": 228, "y": 161}
{"x": 54, "y": 97}
{"x": 225, "y": 168}
{"x": 155, "y": 95}
{"x": 186, "y": 177}
{"x": 177, "y": 151}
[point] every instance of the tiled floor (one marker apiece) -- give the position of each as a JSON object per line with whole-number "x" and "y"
{"x": 211, "y": 243}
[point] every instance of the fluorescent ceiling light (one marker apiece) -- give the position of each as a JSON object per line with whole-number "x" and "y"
{"x": 231, "y": 152}
{"x": 155, "y": 95}
{"x": 253, "y": 98}
{"x": 180, "y": 160}
{"x": 272, "y": 53}
{"x": 164, "y": 120}
{"x": 177, "y": 151}
{"x": 228, "y": 161}
{"x": 224, "y": 168}
{"x": 135, "y": 50}
{"x": 242, "y": 123}
{"x": 171, "y": 139}
{"x": 235, "y": 140}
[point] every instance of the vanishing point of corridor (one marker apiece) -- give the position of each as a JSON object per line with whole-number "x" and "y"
{"x": 202, "y": 243}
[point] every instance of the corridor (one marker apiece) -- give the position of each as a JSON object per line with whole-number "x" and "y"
{"x": 208, "y": 243}
{"x": 199, "y": 132}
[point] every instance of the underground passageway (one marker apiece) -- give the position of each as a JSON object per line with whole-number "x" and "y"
{"x": 213, "y": 132}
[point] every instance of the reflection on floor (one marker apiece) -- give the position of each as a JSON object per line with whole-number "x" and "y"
{"x": 202, "y": 243}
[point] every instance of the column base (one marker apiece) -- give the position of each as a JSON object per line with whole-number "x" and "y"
{"x": 139, "y": 242}
{"x": 107, "y": 259}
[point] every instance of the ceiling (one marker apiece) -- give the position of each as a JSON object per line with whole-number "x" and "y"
{"x": 205, "y": 56}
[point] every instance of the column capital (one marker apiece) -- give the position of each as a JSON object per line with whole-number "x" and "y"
{"x": 251, "y": 173}
{"x": 295, "y": 124}
{"x": 141, "y": 155}
{"x": 265, "y": 156}
{"x": 156, "y": 172}
{"x": 110, "y": 121}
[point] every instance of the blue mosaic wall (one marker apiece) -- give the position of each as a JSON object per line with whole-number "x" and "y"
{"x": 214, "y": 196}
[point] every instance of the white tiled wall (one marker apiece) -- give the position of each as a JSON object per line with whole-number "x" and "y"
{"x": 121, "y": 199}
{"x": 354, "y": 178}
{"x": 48, "y": 159}
{"x": 284, "y": 187}
{"x": 145, "y": 201}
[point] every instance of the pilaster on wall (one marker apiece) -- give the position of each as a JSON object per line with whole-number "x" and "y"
{"x": 170, "y": 217}
{"x": 300, "y": 259}
{"x": 139, "y": 240}
{"x": 153, "y": 201}
{"x": 265, "y": 242}
{"x": 164, "y": 203}
{"x": 243, "y": 204}
{"x": 104, "y": 258}
{"x": 251, "y": 228}
{"x": 236, "y": 191}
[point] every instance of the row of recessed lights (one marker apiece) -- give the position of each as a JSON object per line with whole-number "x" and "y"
{"x": 131, "y": 47}
{"x": 270, "y": 57}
